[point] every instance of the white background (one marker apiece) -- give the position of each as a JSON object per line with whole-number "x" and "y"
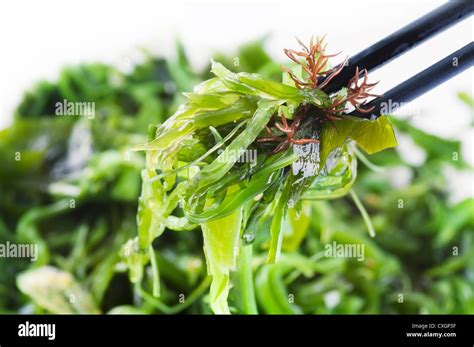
{"x": 39, "y": 37}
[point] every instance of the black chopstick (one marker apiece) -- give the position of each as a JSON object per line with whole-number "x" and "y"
{"x": 421, "y": 83}
{"x": 403, "y": 40}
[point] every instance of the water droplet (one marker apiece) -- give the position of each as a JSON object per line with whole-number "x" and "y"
{"x": 248, "y": 238}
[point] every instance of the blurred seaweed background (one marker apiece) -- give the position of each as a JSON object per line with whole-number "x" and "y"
{"x": 71, "y": 184}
